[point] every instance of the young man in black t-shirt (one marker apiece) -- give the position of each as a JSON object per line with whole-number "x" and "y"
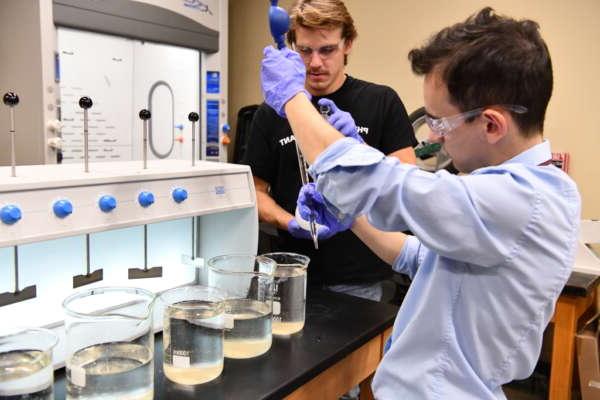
{"x": 322, "y": 32}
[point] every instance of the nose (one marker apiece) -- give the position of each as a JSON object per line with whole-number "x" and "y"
{"x": 315, "y": 60}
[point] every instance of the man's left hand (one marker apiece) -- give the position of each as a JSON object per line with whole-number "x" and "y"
{"x": 341, "y": 120}
{"x": 311, "y": 204}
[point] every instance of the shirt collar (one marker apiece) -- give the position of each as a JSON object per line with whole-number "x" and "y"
{"x": 535, "y": 155}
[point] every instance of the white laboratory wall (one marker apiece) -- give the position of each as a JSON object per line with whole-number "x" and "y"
{"x": 26, "y": 54}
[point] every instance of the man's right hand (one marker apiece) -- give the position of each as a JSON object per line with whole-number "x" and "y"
{"x": 311, "y": 204}
{"x": 282, "y": 76}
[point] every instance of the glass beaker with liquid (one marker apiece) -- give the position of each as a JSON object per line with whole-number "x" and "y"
{"x": 26, "y": 370}
{"x": 248, "y": 285}
{"x": 289, "y": 293}
{"x": 194, "y": 318}
{"x": 109, "y": 350}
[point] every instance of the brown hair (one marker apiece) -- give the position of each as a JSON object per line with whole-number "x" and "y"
{"x": 491, "y": 59}
{"x": 321, "y": 14}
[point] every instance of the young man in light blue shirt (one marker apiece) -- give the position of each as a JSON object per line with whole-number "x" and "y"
{"x": 492, "y": 248}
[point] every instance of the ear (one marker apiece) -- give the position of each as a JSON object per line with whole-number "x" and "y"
{"x": 496, "y": 125}
{"x": 348, "y": 46}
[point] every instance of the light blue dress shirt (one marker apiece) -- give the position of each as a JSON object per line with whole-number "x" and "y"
{"x": 491, "y": 253}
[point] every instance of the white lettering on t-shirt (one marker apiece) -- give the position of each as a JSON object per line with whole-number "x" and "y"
{"x": 287, "y": 140}
{"x": 363, "y": 129}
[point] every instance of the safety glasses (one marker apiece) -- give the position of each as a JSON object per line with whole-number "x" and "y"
{"x": 324, "y": 52}
{"x": 445, "y": 125}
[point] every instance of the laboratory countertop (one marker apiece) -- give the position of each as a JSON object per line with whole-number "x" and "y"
{"x": 336, "y": 325}
{"x": 580, "y": 284}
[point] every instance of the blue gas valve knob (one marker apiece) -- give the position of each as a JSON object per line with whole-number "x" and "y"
{"x": 146, "y": 199}
{"x": 10, "y": 214}
{"x": 107, "y": 203}
{"x": 180, "y": 195}
{"x": 62, "y": 208}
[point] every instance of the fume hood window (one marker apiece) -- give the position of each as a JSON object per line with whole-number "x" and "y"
{"x": 122, "y": 76}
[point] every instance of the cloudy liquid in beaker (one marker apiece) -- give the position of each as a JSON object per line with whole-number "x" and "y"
{"x": 251, "y": 333}
{"x": 26, "y": 374}
{"x": 193, "y": 342}
{"x": 289, "y": 300}
{"x": 114, "y": 370}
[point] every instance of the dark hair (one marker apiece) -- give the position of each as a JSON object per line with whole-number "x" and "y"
{"x": 321, "y": 14}
{"x": 491, "y": 59}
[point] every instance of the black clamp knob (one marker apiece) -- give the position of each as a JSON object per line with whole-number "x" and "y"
{"x": 144, "y": 114}
{"x": 85, "y": 102}
{"x": 10, "y": 99}
{"x": 193, "y": 116}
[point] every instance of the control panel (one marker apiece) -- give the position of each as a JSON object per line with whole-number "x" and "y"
{"x": 52, "y": 201}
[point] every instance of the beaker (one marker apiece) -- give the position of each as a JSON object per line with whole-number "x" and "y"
{"x": 194, "y": 318}
{"x": 109, "y": 346}
{"x": 289, "y": 293}
{"x": 26, "y": 370}
{"x": 248, "y": 284}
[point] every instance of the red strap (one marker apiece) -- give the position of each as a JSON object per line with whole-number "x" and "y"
{"x": 547, "y": 162}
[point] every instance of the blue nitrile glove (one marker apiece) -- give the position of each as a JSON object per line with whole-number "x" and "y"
{"x": 311, "y": 204}
{"x": 282, "y": 76}
{"x": 341, "y": 120}
{"x": 298, "y": 232}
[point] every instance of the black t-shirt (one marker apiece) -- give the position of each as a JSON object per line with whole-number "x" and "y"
{"x": 382, "y": 122}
